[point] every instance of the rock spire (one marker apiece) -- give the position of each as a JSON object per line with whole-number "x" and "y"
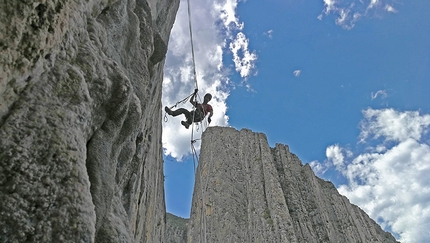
{"x": 246, "y": 191}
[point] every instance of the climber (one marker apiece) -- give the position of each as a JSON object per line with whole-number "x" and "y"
{"x": 199, "y": 113}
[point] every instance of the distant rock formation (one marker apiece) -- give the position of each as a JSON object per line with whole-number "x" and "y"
{"x": 246, "y": 191}
{"x": 80, "y": 120}
{"x": 176, "y": 229}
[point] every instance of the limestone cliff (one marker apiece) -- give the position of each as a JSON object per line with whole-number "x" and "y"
{"x": 246, "y": 191}
{"x": 80, "y": 120}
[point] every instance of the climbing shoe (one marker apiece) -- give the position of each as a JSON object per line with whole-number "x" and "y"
{"x": 168, "y": 111}
{"x": 185, "y": 124}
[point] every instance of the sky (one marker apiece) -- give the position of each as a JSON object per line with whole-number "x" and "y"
{"x": 343, "y": 83}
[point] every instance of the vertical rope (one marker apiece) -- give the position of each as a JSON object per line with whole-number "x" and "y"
{"x": 195, "y": 157}
{"x": 192, "y": 45}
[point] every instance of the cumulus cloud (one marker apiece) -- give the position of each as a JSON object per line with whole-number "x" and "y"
{"x": 334, "y": 154}
{"x": 394, "y": 187}
{"x": 215, "y": 26}
{"x": 389, "y": 180}
{"x": 348, "y": 12}
{"x": 393, "y": 125}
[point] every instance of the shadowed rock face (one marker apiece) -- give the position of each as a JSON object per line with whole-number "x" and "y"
{"x": 80, "y": 120}
{"x": 246, "y": 191}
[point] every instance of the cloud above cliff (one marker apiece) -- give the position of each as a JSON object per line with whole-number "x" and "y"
{"x": 221, "y": 49}
{"x": 216, "y": 35}
{"x": 348, "y": 12}
{"x": 389, "y": 180}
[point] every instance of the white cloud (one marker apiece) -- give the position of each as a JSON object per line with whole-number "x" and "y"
{"x": 215, "y": 26}
{"x": 390, "y": 181}
{"x": 381, "y": 93}
{"x": 227, "y": 10}
{"x": 317, "y": 167}
{"x": 334, "y": 154}
{"x": 393, "y": 125}
{"x": 373, "y": 4}
{"x": 330, "y": 6}
{"x": 297, "y": 72}
{"x": 269, "y": 34}
{"x": 343, "y": 15}
{"x": 394, "y": 186}
{"x": 390, "y": 8}
{"x": 349, "y": 12}
{"x": 244, "y": 60}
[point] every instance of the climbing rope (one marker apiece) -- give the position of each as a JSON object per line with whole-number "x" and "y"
{"x": 193, "y": 149}
{"x": 195, "y": 156}
{"x": 192, "y": 44}
{"x": 195, "y": 110}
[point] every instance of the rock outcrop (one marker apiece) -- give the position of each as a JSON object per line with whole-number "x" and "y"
{"x": 80, "y": 120}
{"x": 246, "y": 191}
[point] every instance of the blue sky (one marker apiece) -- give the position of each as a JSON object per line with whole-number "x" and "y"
{"x": 343, "y": 83}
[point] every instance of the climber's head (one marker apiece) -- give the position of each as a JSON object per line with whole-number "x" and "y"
{"x": 207, "y": 98}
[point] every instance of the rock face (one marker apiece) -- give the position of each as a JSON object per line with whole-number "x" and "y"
{"x": 80, "y": 120}
{"x": 246, "y": 191}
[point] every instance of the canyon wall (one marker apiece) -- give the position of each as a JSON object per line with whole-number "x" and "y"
{"x": 80, "y": 120}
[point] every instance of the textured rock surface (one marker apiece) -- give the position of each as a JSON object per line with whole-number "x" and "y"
{"x": 80, "y": 120}
{"x": 246, "y": 191}
{"x": 176, "y": 229}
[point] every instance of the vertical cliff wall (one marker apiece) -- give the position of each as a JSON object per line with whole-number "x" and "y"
{"x": 80, "y": 120}
{"x": 246, "y": 191}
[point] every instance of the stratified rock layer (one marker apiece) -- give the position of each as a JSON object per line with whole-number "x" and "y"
{"x": 80, "y": 120}
{"x": 246, "y": 191}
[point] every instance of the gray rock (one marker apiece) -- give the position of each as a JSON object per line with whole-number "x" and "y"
{"x": 246, "y": 191}
{"x": 80, "y": 120}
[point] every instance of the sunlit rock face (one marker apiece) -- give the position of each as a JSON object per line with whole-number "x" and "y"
{"x": 80, "y": 120}
{"x": 246, "y": 191}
